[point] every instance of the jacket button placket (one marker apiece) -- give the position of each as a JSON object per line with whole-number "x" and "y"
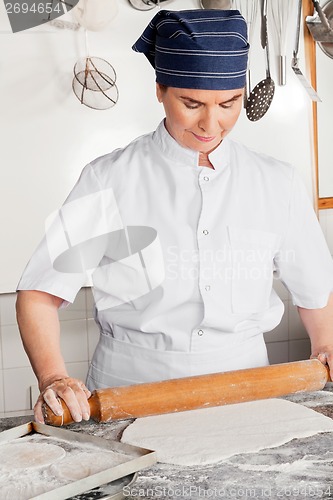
{"x": 204, "y": 251}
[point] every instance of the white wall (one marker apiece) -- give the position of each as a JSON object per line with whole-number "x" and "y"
{"x": 47, "y": 136}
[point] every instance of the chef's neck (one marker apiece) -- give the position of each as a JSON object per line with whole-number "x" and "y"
{"x": 204, "y": 161}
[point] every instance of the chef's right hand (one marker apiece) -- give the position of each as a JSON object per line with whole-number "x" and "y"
{"x": 74, "y": 393}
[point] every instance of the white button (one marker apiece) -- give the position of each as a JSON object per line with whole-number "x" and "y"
{"x": 200, "y": 333}
{"x": 206, "y": 178}
{"x": 205, "y": 232}
{"x": 207, "y": 288}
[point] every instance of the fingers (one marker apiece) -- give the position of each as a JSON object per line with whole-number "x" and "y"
{"x": 38, "y": 414}
{"x": 72, "y": 391}
{"x": 326, "y": 358}
{"x": 329, "y": 362}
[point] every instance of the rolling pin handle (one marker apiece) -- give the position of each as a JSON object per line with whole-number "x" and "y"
{"x": 66, "y": 418}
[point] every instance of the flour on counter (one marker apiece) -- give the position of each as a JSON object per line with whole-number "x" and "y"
{"x": 209, "y": 435}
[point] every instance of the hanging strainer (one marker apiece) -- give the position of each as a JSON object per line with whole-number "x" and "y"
{"x": 261, "y": 96}
{"x": 94, "y": 83}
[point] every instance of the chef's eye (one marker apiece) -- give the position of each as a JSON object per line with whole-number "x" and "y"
{"x": 192, "y": 105}
{"x": 226, "y": 106}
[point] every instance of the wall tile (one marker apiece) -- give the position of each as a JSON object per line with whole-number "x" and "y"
{"x": 74, "y": 340}
{"x": 17, "y": 382}
{"x": 74, "y": 344}
{"x": 2, "y": 402}
{"x": 93, "y": 337}
{"x": 78, "y": 370}
{"x": 77, "y": 310}
{"x": 277, "y": 352}
{"x": 1, "y": 351}
{"x": 13, "y": 353}
{"x": 90, "y": 302}
{"x": 19, "y": 413}
{"x": 295, "y": 327}
{"x": 7, "y": 309}
{"x": 280, "y": 289}
{"x": 299, "y": 349}
{"x": 280, "y": 333}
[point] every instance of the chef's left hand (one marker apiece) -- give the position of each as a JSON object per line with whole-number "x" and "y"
{"x": 325, "y": 355}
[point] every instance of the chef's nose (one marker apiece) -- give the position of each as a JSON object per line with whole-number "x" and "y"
{"x": 209, "y": 121}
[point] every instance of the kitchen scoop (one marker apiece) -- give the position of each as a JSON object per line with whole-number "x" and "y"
{"x": 201, "y": 391}
{"x": 320, "y": 24}
{"x": 260, "y": 98}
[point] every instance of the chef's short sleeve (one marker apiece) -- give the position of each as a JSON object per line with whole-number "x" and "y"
{"x": 72, "y": 244}
{"x": 304, "y": 263}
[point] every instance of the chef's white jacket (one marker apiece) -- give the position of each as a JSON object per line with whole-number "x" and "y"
{"x": 183, "y": 257}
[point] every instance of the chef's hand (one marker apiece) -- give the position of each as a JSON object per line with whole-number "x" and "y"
{"x": 72, "y": 391}
{"x": 325, "y": 355}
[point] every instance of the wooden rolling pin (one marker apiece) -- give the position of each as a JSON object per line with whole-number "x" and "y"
{"x": 201, "y": 391}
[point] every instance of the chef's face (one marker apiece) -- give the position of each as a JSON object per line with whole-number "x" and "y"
{"x": 200, "y": 119}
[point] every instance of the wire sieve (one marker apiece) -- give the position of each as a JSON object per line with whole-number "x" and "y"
{"x": 94, "y": 83}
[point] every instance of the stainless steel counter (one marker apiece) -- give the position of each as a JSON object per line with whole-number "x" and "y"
{"x": 302, "y": 468}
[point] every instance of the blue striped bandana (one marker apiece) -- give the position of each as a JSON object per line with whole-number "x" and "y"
{"x": 197, "y": 49}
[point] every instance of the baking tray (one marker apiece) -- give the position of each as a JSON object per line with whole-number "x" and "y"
{"x": 110, "y": 491}
{"x": 77, "y": 445}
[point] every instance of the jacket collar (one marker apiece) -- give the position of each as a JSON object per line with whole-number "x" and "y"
{"x": 185, "y": 156}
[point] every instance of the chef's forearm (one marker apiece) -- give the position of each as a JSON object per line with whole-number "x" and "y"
{"x": 37, "y": 317}
{"x": 319, "y": 325}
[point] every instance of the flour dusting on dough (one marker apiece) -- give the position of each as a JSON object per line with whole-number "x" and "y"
{"x": 209, "y": 435}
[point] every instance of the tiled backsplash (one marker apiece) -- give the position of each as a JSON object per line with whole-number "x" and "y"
{"x": 288, "y": 342}
{"x": 78, "y": 340}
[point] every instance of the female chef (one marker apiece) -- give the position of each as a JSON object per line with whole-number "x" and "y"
{"x": 181, "y": 233}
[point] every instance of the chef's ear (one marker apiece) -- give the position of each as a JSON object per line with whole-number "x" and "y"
{"x": 160, "y": 91}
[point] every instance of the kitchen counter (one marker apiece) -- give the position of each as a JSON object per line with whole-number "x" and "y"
{"x": 302, "y": 468}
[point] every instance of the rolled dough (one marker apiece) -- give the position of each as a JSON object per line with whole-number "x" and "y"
{"x": 29, "y": 455}
{"x": 209, "y": 435}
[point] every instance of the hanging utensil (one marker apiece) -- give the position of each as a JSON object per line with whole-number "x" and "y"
{"x": 327, "y": 46}
{"x": 248, "y": 9}
{"x": 262, "y": 95}
{"x": 94, "y": 83}
{"x": 322, "y": 16}
{"x": 215, "y": 4}
{"x": 322, "y": 32}
{"x": 263, "y": 25}
{"x": 279, "y": 15}
{"x": 294, "y": 63}
{"x": 146, "y": 4}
